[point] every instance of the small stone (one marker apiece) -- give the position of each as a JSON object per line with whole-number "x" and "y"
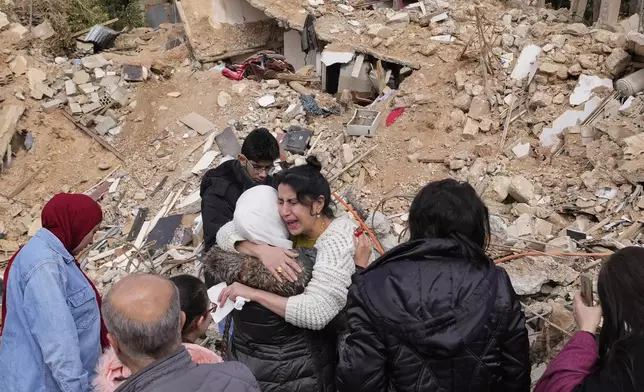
{"x": 463, "y": 101}
{"x": 471, "y": 129}
{"x": 521, "y": 150}
{"x": 575, "y": 70}
{"x": 558, "y": 99}
{"x": 223, "y": 99}
{"x": 272, "y": 83}
{"x": 549, "y": 68}
{"x": 617, "y": 62}
{"x": 81, "y": 77}
{"x": 376, "y": 41}
{"x": 460, "y": 78}
{"x": 576, "y": 29}
{"x": 561, "y": 244}
{"x": 429, "y": 49}
{"x": 485, "y": 125}
{"x": 548, "y": 48}
{"x": 174, "y": 94}
{"x": 560, "y": 58}
{"x": 558, "y": 40}
{"x": 139, "y": 196}
{"x": 414, "y": 145}
{"x": 498, "y": 188}
{"x": 585, "y": 61}
{"x": 521, "y": 189}
{"x": 265, "y": 101}
{"x": 479, "y": 107}
{"x": 540, "y": 99}
{"x": 98, "y": 73}
{"x": 380, "y": 31}
{"x": 456, "y": 164}
{"x": 104, "y": 166}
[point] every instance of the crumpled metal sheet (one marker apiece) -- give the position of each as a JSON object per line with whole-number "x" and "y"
{"x": 102, "y": 37}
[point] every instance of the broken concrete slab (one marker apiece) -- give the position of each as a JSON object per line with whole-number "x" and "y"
{"x": 4, "y": 22}
{"x": 198, "y": 123}
{"x": 110, "y": 80}
{"x": 90, "y": 107}
{"x": 205, "y": 162}
{"x": 530, "y": 273}
{"x": 18, "y": 66}
{"x": 521, "y": 189}
{"x": 617, "y": 62}
{"x": 471, "y": 129}
{"x": 81, "y": 77}
{"x": 585, "y": 87}
{"x": 479, "y": 107}
{"x": 46, "y": 90}
{"x": 94, "y": 61}
{"x": 576, "y": 29}
{"x": 17, "y": 31}
{"x": 70, "y": 88}
{"x": 43, "y": 31}
{"x": 527, "y": 64}
{"x": 35, "y": 76}
{"x": 223, "y": 99}
{"x": 52, "y": 105}
{"x": 9, "y": 116}
{"x": 549, "y": 137}
{"x": 36, "y": 94}
{"x": 103, "y": 127}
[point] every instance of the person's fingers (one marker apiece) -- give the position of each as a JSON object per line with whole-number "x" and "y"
{"x": 578, "y": 301}
{"x": 356, "y": 241}
{"x": 223, "y": 296}
{"x": 288, "y": 273}
{"x": 290, "y": 253}
{"x": 276, "y": 275}
{"x": 293, "y": 264}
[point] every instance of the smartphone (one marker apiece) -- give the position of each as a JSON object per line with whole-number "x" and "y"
{"x": 586, "y": 283}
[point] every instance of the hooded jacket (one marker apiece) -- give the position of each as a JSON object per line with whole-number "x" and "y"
{"x": 424, "y": 318}
{"x": 283, "y": 357}
{"x": 219, "y": 191}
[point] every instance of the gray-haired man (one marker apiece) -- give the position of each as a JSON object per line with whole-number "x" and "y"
{"x": 144, "y": 317}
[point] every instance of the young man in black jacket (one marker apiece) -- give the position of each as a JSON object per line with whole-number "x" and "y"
{"x": 222, "y": 186}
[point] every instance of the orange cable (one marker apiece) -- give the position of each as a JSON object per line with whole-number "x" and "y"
{"x": 520, "y": 255}
{"x": 361, "y": 222}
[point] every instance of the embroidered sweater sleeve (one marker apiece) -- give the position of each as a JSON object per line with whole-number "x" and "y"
{"x": 228, "y": 236}
{"x": 573, "y": 364}
{"x": 326, "y": 294}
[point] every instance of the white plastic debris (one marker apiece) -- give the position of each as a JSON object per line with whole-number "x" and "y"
{"x": 527, "y": 63}
{"x": 585, "y": 88}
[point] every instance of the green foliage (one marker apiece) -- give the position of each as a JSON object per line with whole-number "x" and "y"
{"x": 86, "y": 13}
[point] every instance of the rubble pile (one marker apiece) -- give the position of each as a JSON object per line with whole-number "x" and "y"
{"x": 543, "y": 118}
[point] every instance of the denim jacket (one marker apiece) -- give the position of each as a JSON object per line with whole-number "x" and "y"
{"x": 51, "y": 337}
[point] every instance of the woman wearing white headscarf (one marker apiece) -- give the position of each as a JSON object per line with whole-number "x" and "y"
{"x": 282, "y": 357}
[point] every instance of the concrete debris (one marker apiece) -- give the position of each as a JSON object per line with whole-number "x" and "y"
{"x": 43, "y": 31}
{"x": 521, "y": 189}
{"x": 18, "y": 66}
{"x": 530, "y": 273}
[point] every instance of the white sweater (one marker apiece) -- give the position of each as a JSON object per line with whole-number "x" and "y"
{"x": 326, "y": 294}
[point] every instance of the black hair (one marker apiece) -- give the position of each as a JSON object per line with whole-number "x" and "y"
{"x": 449, "y": 209}
{"x": 260, "y": 146}
{"x": 621, "y": 297}
{"x": 193, "y": 295}
{"x": 308, "y": 183}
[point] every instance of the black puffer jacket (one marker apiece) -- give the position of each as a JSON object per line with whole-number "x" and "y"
{"x": 219, "y": 191}
{"x": 422, "y": 318}
{"x": 283, "y": 357}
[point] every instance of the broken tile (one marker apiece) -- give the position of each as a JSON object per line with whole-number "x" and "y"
{"x": 198, "y": 123}
{"x": 81, "y": 77}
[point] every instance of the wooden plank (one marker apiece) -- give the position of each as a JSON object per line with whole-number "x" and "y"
{"x": 24, "y": 184}
{"x": 94, "y": 136}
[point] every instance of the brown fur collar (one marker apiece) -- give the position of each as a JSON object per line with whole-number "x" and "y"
{"x": 235, "y": 267}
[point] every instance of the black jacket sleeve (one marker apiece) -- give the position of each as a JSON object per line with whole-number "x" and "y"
{"x": 515, "y": 355}
{"x": 362, "y": 361}
{"x": 216, "y": 211}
